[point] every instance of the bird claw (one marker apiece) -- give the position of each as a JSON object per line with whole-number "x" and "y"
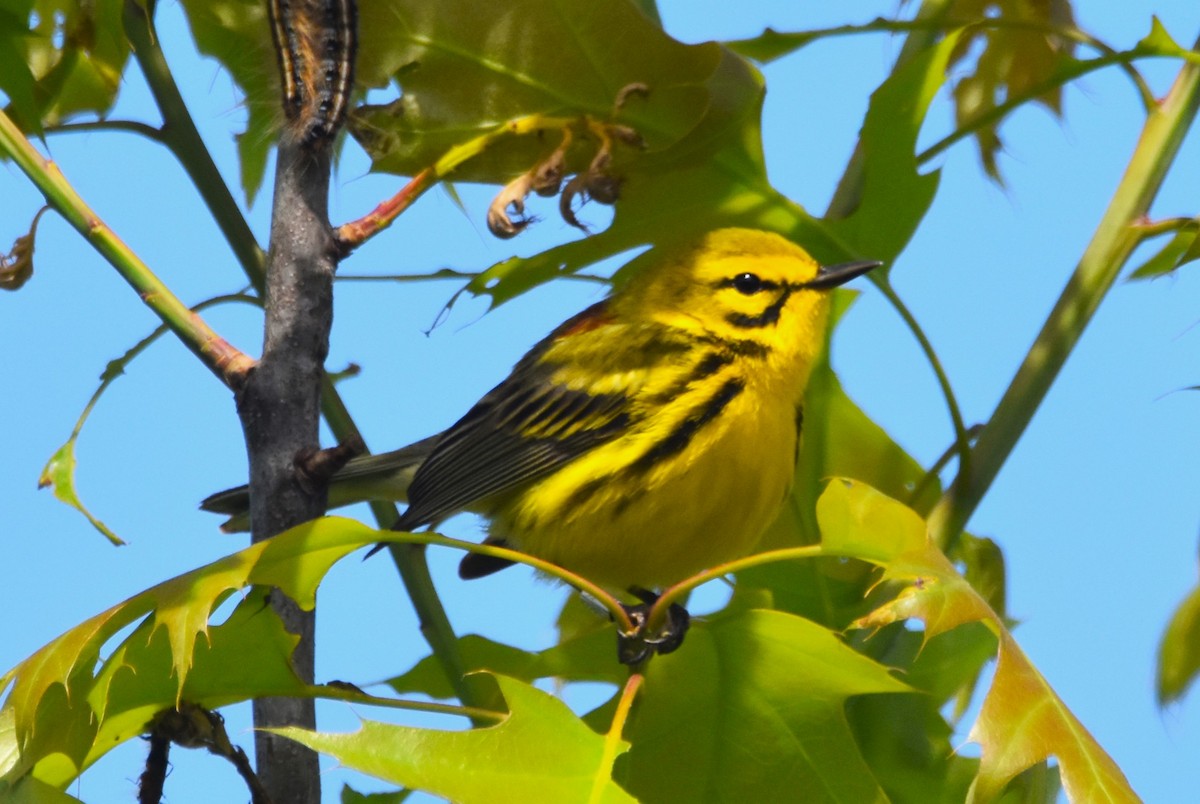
{"x": 636, "y": 646}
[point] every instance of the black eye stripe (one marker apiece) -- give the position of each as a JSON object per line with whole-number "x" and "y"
{"x": 748, "y": 284}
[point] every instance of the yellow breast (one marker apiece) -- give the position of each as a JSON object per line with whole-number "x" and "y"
{"x": 622, "y": 519}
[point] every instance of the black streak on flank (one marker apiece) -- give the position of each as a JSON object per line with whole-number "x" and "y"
{"x": 766, "y": 318}
{"x": 687, "y": 429}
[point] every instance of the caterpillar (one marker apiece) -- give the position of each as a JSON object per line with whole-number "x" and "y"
{"x": 315, "y": 43}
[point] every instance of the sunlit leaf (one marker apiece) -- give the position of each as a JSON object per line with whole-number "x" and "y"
{"x": 540, "y": 752}
{"x": 466, "y": 69}
{"x": 752, "y": 708}
{"x": 59, "y": 474}
{"x": 1182, "y": 248}
{"x": 34, "y": 791}
{"x": 1179, "y": 653}
{"x": 74, "y": 53}
{"x": 894, "y": 195}
{"x": 702, "y": 167}
{"x": 1022, "y": 722}
{"x": 61, "y": 703}
{"x": 591, "y": 657}
{"x": 1160, "y": 41}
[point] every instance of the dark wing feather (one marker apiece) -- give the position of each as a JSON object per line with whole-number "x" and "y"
{"x": 523, "y": 429}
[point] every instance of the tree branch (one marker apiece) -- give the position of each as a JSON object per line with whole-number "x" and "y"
{"x": 280, "y": 403}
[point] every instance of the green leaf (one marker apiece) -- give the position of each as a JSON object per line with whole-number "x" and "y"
{"x": 1014, "y": 61}
{"x": 895, "y": 196}
{"x": 1160, "y": 42}
{"x": 1182, "y": 248}
{"x": 1179, "y": 652}
{"x": 702, "y": 167}
{"x": 33, "y": 791}
{"x": 1022, "y": 721}
{"x": 16, "y": 79}
{"x": 59, "y": 473}
{"x": 540, "y": 752}
{"x": 527, "y": 57}
{"x": 752, "y": 708}
{"x": 771, "y": 44}
{"x": 73, "y": 59}
{"x": 590, "y": 657}
{"x": 907, "y": 745}
{"x": 60, "y": 703}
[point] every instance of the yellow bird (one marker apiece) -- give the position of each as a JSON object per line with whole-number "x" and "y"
{"x": 647, "y": 438}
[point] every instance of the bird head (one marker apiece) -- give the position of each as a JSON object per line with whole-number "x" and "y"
{"x": 741, "y": 285}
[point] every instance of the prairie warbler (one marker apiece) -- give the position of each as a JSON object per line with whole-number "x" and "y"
{"x": 647, "y": 438}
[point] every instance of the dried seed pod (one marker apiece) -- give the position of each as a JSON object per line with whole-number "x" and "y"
{"x": 499, "y": 222}
{"x": 576, "y": 186}
{"x": 547, "y": 177}
{"x": 628, "y": 136}
{"x": 602, "y": 188}
{"x": 628, "y": 91}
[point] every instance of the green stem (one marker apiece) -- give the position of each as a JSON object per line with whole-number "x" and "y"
{"x": 1114, "y": 240}
{"x": 228, "y": 363}
{"x": 180, "y": 135}
{"x": 962, "y": 439}
{"x": 130, "y": 126}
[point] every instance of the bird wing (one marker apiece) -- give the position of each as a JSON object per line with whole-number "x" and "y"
{"x": 530, "y": 424}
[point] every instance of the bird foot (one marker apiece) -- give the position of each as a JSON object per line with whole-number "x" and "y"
{"x": 637, "y": 645}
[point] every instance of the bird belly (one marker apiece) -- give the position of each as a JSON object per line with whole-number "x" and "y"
{"x": 620, "y": 527}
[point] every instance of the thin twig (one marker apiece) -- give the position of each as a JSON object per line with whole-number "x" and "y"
{"x": 228, "y": 363}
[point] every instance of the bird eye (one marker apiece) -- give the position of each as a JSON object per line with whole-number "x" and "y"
{"x": 747, "y": 283}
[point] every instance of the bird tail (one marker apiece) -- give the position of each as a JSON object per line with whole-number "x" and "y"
{"x": 369, "y": 477}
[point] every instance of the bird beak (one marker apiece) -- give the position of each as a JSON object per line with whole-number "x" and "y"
{"x": 833, "y": 275}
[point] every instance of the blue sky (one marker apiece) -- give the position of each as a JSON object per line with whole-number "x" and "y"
{"x": 1097, "y": 509}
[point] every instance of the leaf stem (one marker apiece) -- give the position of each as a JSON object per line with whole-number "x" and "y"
{"x": 613, "y": 739}
{"x": 680, "y": 591}
{"x": 1114, "y": 240}
{"x": 962, "y": 439}
{"x": 131, "y": 126}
